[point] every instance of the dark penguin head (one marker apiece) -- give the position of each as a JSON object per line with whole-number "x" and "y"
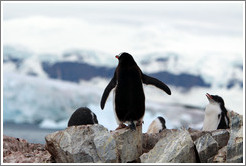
{"x": 82, "y": 116}
{"x": 223, "y": 120}
{"x": 157, "y": 125}
{"x": 125, "y": 59}
{"x": 215, "y": 99}
{"x": 163, "y": 122}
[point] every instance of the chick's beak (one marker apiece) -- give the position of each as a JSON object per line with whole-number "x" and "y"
{"x": 210, "y": 98}
{"x": 117, "y": 56}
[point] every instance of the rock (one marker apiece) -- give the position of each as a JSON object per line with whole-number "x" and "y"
{"x": 176, "y": 147}
{"x": 106, "y": 148}
{"x": 17, "y": 150}
{"x": 235, "y": 147}
{"x": 80, "y": 144}
{"x": 236, "y": 120}
{"x": 206, "y": 147}
{"x": 149, "y": 140}
{"x": 195, "y": 134}
{"x": 128, "y": 143}
{"x": 95, "y": 144}
{"x": 220, "y": 157}
{"x": 221, "y": 136}
{"x": 235, "y": 143}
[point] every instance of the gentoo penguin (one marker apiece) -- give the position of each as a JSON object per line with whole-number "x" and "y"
{"x": 129, "y": 99}
{"x": 215, "y": 114}
{"x": 157, "y": 125}
{"x": 82, "y": 116}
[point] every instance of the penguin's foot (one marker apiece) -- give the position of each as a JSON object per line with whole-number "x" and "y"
{"x": 132, "y": 126}
{"x": 121, "y": 126}
{"x": 139, "y": 123}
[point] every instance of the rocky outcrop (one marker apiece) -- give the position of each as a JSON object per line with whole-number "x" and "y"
{"x": 206, "y": 147}
{"x": 16, "y": 150}
{"x": 128, "y": 144}
{"x": 234, "y": 152}
{"x": 224, "y": 145}
{"x": 149, "y": 140}
{"x": 176, "y": 147}
{"x": 208, "y": 143}
{"x": 86, "y": 143}
{"x": 94, "y": 144}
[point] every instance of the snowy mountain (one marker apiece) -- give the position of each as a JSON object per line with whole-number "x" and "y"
{"x": 77, "y": 65}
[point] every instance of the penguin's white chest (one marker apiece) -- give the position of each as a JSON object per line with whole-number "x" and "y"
{"x": 211, "y": 119}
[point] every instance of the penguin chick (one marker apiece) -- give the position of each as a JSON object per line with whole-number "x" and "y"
{"x": 215, "y": 114}
{"x": 82, "y": 116}
{"x": 129, "y": 99}
{"x": 157, "y": 125}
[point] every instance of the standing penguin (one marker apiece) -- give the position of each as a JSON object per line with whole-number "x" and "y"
{"x": 157, "y": 125}
{"x": 215, "y": 114}
{"x": 129, "y": 99}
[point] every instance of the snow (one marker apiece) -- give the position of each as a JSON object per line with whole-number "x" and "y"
{"x": 32, "y": 65}
{"x": 31, "y": 99}
{"x": 50, "y": 103}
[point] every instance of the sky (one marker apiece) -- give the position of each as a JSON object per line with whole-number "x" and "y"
{"x": 138, "y": 27}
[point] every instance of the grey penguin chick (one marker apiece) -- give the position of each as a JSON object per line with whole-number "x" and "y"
{"x": 157, "y": 125}
{"x": 129, "y": 98}
{"x": 215, "y": 114}
{"x": 82, "y": 116}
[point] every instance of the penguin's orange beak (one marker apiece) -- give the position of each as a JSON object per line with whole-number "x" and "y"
{"x": 117, "y": 56}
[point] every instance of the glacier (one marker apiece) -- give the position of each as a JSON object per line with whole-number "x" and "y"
{"x": 49, "y": 102}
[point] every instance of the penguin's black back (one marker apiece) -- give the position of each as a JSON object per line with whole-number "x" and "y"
{"x": 224, "y": 120}
{"x": 82, "y": 116}
{"x": 129, "y": 94}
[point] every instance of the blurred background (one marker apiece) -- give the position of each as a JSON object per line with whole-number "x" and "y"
{"x": 59, "y": 56}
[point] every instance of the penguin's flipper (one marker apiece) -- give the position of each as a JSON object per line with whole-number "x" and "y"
{"x": 153, "y": 81}
{"x": 107, "y": 90}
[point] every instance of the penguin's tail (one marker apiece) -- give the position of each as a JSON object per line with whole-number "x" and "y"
{"x": 132, "y": 126}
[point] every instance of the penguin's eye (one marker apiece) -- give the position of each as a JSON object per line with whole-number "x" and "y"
{"x": 219, "y": 116}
